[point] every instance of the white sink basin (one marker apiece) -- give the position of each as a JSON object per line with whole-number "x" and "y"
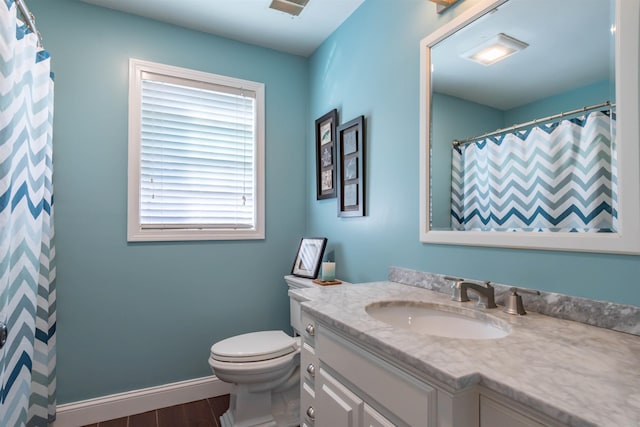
{"x": 439, "y": 320}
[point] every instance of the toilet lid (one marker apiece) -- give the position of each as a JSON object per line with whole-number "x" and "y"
{"x": 254, "y": 346}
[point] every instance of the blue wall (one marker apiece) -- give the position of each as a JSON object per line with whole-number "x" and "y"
{"x": 370, "y": 66}
{"x": 138, "y": 315}
{"x": 592, "y": 94}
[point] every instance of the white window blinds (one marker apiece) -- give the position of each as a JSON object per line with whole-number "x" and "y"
{"x": 197, "y": 155}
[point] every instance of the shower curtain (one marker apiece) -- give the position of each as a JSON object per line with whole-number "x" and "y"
{"x": 555, "y": 177}
{"x": 27, "y": 252}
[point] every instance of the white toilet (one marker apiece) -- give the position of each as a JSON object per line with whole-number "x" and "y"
{"x": 264, "y": 368}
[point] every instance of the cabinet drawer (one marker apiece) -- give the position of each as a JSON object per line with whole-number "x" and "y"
{"x": 307, "y": 404}
{"x": 308, "y": 331}
{"x": 308, "y": 363}
{"x": 413, "y": 401}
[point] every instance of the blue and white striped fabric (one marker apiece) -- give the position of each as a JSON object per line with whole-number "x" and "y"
{"x": 27, "y": 250}
{"x": 554, "y": 177}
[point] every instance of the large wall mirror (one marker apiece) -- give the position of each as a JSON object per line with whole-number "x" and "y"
{"x": 529, "y": 126}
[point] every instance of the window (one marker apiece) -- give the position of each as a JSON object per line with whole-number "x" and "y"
{"x": 196, "y": 155}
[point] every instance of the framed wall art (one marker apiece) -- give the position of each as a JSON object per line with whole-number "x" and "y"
{"x": 307, "y": 262}
{"x": 351, "y": 165}
{"x": 326, "y": 155}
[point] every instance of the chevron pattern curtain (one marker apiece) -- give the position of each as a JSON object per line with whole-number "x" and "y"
{"x": 555, "y": 177}
{"x": 27, "y": 250}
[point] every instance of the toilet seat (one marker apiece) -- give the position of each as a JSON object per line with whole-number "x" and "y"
{"x": 254, "y": 347}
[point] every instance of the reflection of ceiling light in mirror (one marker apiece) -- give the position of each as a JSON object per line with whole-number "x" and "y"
{"x": 494, "y": 50}
{"x": 443, "y": 4}
{"x": 292, "y": 7}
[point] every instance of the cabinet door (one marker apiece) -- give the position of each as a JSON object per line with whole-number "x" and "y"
{"x": 412, "y": 401}
{"x": 336, "y": 405}
{"x": 372, "y": 418}
{"x": 494, "y": 414}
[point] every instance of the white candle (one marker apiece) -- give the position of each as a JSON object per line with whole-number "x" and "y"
{"x": 328, "y": 272}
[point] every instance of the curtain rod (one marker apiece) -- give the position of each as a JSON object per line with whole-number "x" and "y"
{"x": 29, "y": 19}
{"x": 457, "y": 143}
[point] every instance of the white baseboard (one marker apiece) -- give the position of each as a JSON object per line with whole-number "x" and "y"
{"x": 137, "y": 401}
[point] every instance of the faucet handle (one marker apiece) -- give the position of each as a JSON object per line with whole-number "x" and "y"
{"x": 524, "y": 291}
{"x": 513, "y": 304}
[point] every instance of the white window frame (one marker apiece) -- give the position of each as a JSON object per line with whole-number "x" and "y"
{"x": 135, "y": 232}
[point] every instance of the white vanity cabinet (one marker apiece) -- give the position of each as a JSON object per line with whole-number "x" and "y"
{"x": 497, "y": 410}
{"x": 344, "y": 384}
{"x": 371, "y": 418}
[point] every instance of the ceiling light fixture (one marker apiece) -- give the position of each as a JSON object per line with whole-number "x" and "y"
{"x": 292, "y": 7}
{"x": 495, "y": 49}
{"x": 443, "y": 4}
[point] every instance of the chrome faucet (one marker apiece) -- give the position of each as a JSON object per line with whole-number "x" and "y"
{"x": 486, "y": 292}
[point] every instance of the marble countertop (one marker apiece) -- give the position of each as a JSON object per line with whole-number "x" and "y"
{"x": 578, "y": 374}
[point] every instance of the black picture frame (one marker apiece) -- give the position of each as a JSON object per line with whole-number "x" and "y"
{"x": 308, "y": 257}
{"x": 326, "y": 155}
{"x": 351, "y": 151}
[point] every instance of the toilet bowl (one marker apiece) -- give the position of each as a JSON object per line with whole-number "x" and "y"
{"x": 263, "y": 368}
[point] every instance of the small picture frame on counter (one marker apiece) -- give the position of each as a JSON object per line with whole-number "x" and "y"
{"x": 307, "y": 261}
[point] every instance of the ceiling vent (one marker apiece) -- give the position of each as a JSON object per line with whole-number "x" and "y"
{"x": 292, "y": 7}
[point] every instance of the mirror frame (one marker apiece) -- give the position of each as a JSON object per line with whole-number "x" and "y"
{"x": 627, "y": 239}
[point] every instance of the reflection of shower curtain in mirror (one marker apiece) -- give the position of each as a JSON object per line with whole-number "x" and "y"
{"x": 555, "y": 177}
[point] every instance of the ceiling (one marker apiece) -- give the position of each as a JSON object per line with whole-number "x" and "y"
{"x": 249, "y": 21}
